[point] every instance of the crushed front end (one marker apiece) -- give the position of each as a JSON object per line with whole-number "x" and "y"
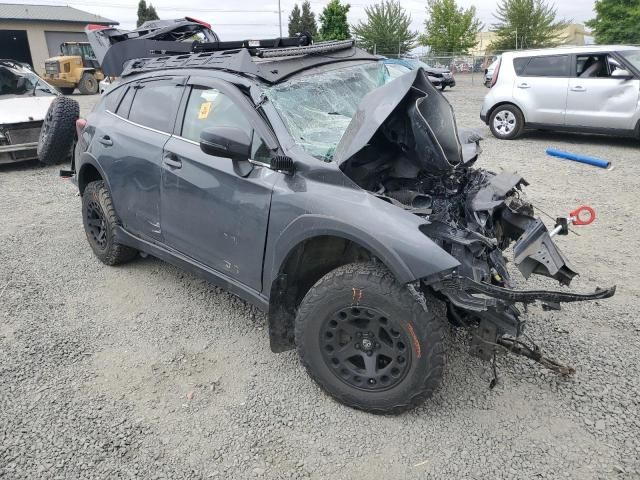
{"x": 418, "y": 160}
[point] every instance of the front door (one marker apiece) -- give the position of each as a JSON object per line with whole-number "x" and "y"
{"x": 597, "y": 99}
{"x": 213, "y": 210}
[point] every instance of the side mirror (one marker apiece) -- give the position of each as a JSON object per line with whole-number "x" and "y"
{"x": 229, "y": 142}
{"x": 622, "y": 74}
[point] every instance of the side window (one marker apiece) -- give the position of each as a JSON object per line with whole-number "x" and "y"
{"x": 595, "y": 66}
{"x": 551, "y": 66}
{"x": 125, "y": 104}
{"x": 207, "y": 108}
{"x": 519, "y": 64}
{"x": 155, "y": 104}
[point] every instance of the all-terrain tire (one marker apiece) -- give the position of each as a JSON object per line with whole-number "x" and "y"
{"x": 506, "y": 122}
{"x": 58, "y": 130}
{"x": 100, "y": 220}
{"x": 88, "y": 84}
{"x": 66, "y": 90}
{"x": 357, "y": 293}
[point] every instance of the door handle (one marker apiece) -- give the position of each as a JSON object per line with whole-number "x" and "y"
{"x": 106, "y": 140}
{"x": 524, "y": 85}
{"x": 171, "y": 161}
{"x": 578, "y": 88}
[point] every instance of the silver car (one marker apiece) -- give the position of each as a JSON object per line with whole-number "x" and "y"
{"x": 591, "y": 89}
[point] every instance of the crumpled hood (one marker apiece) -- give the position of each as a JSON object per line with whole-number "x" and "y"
{"x": 429, "y": 136}
{"x": 22, "y": 108}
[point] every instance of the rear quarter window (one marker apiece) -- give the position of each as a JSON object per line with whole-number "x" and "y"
{"x": 125, "y": 104}
{"x": 519, "y": 64}
{"x": 547, "y": 66}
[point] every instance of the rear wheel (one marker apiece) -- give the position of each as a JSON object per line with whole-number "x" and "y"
{"x": 100, "y": 220}
{"x": 506, "y": 122}
{"x": 366, "y": 340}
{"x": 88, "y": 84}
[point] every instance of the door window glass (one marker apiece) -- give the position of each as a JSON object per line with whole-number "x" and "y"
{"x": 550, "y": 66}
{"x": 592, "y": 66}
{"x": 208, "y": 108}
{"x": 155, "y": 104}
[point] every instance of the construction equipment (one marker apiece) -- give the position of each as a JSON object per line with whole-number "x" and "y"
{"x": 76, "y": 67}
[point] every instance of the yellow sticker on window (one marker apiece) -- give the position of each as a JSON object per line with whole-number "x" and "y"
{"x": 205, "y": 109}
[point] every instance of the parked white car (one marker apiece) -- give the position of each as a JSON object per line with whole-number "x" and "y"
{"x": 24, "y": 101}
{"x": 591, "y": 89}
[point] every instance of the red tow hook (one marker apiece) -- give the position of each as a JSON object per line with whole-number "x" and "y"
{"x": 583, "y": 215}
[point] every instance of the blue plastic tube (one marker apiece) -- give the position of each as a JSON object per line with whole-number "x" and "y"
{"x": 596, "y": 162}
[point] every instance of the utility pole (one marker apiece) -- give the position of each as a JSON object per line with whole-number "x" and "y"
{"x": 280, "y": 18}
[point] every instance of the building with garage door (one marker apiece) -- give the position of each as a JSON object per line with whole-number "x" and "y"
{"x": 33, "y": 33}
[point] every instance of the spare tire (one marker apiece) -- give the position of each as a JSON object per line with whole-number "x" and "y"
{"x": 58, "y": 130}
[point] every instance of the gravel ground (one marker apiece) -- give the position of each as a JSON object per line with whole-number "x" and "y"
{"x": 145, "y": 371}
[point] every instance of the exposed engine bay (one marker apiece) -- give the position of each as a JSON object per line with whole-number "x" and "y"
{"x": 418, "y": 160}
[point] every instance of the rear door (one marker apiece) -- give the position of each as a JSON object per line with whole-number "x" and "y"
{"x": 597, "y": 99}
{"x": 129, "y": 144}
{"x": 540, "y": 87}
{"x": 215, "y": 210}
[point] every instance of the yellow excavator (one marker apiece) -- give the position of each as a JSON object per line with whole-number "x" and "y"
{"x": 76, "y": 67}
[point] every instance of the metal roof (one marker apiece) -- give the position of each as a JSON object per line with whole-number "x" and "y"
{"x": 49, "y": 13}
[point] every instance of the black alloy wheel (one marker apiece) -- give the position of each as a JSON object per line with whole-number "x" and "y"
{"x": 97, "y": 229}
{"x": 365, "y": 348}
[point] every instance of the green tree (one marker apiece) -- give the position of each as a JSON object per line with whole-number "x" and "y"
{"x": 142, "y": 12}
{"x": 295, "y": 21}
{"x": 617, "y": 21}
{"x": 151, "y": 13}
{"x": 449, "y": 28}
{"x": 526, "y": 24}
{"x": 308, "y": 19}
{"x": 146, "y": 13}
{"x": 387, "y": 28}
{"x": 333, "y": 21}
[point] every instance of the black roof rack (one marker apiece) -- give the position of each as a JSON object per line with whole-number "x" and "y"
{"x": 270, "y": 60}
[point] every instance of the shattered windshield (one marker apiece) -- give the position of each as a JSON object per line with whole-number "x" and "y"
{"x": 317, "y": 108}
{"x": 15, "y": 82}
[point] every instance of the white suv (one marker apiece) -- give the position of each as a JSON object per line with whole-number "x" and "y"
{"x": 591, "y": 89}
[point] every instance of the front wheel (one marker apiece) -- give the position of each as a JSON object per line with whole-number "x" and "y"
{"x": 506, "y": 122}
{"x": 442, "y": 87}
{"x": 366, "y": 340}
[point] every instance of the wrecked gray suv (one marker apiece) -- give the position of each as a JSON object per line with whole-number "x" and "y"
{"x": 345, "y": 206}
